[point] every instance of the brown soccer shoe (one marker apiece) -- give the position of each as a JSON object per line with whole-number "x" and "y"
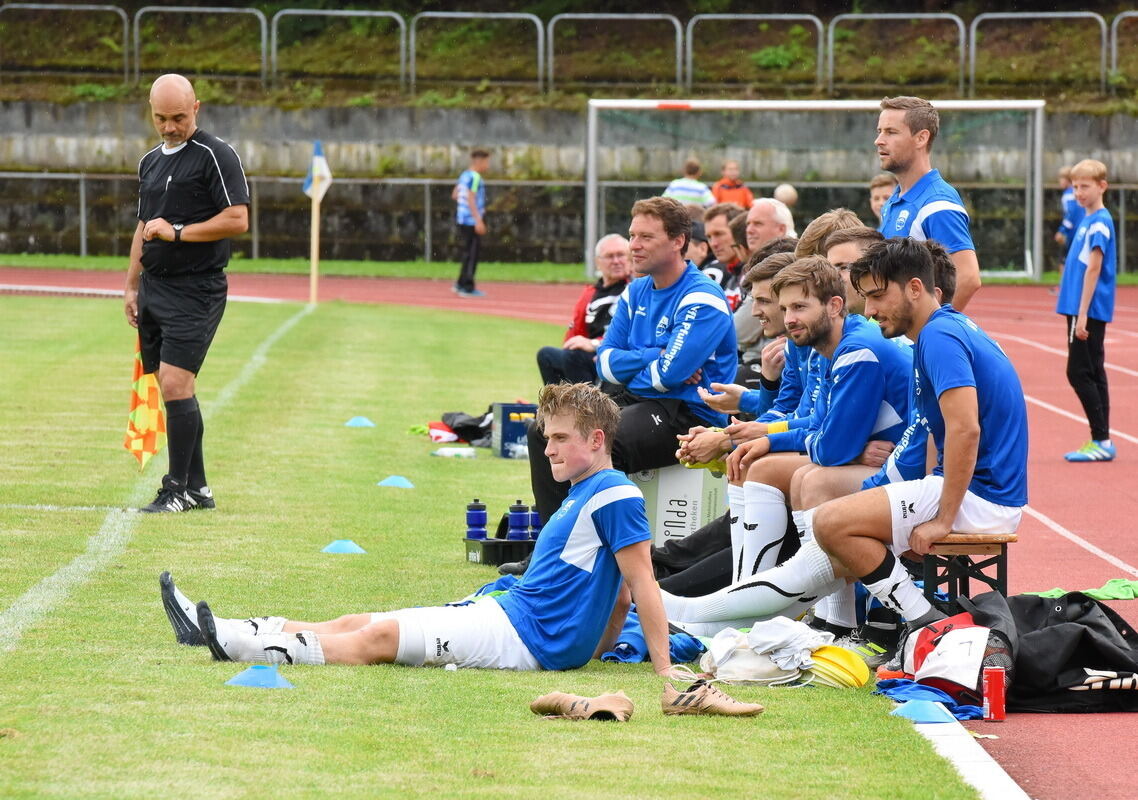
{"x": 703, "y": 698}
{"x": 558, "y": 705}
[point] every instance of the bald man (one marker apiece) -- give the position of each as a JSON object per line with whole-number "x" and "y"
{"x": 192, "y": 197}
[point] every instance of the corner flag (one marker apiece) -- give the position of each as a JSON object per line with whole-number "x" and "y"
{"x": 146, "y": 424}
{"x": 319, "y": 176}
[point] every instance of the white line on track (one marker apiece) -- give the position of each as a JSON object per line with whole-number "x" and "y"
{"x": 1048, "y": 349}
{"x": 118, "y": 526}
{"x": 20, "y": 288}
{"x": 1082, "y": 420}
{"x": 1081, "y": 542}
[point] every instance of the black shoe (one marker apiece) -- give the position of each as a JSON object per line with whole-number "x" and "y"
{"x": 179, "y": 610}
{"x": 209, "y": 633}
{"x": 171, "y": 497}
{"x": 202, "y": 498}
{"x": 514, "y": 567}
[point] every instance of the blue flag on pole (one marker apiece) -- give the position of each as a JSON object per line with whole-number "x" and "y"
{"x": 319, "y": 176}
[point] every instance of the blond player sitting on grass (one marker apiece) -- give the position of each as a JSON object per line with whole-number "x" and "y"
{"x": 568, "y": 607}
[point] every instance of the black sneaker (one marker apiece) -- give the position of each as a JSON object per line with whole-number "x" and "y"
{"x": 181, "y": 612}
{"x": 201, "y": 498}
{"x": 171, "y": 497}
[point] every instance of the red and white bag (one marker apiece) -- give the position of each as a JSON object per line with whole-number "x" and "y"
{"x": 950, "y": 655}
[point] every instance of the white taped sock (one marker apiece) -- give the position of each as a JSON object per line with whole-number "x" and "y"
{"x": 291, "y": 648}
{"x": 735, "y": 517}
{"x": 842, "y": 606}
{"x": 764, "y": 525}
{"x": 786, "y": 590}
{"x": 799, "y": 522}
{"x": 822, "y": 609}
{"x": 898, "y": 592}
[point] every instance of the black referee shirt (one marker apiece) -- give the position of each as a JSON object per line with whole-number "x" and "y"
{"x": 192, "y": 183}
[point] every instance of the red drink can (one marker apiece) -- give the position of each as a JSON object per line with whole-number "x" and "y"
{"x": 993, "y": 682}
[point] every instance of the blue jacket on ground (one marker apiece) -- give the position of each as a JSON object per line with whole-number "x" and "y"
{"x": 660, "y": 337}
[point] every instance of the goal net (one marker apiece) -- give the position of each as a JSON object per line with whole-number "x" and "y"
{"x": 990, "y": 150}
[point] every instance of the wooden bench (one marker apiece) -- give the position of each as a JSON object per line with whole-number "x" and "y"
{"x": 961, "y": 558}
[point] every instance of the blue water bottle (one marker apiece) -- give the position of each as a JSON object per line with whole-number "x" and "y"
{"x": 519, "y": 522}
{"x": 476, "y": 520}
{"x": 534, "y": 522}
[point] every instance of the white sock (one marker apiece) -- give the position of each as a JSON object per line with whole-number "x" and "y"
{"x": 842, "y": 606}
{"x": 712, "y": 628}
{"x": 291, "y": 648}
{"x": 786, "y": 590}
{"x": 896, "y": 590}
{"x": 822, "y": 609}
{"x": 735, "y": 517}
{"x": 799, "y": 522}
{"x": 808, "y": 525}
{"x": 764, "y": 525}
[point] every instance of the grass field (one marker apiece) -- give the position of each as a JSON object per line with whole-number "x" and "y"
{"x": 97, "y": 700}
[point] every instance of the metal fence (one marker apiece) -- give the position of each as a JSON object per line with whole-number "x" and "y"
{"x": 100, "y": 208}
{"x": 269, "y": 45}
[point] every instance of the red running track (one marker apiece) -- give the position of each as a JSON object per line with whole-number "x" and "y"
{"x": 1053, "y": 757}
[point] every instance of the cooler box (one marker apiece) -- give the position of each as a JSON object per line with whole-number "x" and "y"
{"x": 679, "y": 500}
{"x": 508, "y": 429}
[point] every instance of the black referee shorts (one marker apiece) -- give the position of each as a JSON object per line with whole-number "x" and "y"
{"x": 178, "y": 318}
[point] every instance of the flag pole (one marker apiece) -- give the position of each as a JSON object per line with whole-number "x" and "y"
{"x": 314, "y": 252}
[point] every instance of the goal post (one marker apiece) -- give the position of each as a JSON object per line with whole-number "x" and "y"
{"x": 1032, "y": 132}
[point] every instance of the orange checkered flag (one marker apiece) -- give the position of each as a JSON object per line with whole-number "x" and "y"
{"x": 146, "y": 424}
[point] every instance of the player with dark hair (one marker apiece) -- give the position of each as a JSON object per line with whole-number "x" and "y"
{"x": 192, "y": 198}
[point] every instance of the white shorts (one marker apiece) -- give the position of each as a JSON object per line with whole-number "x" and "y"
{"x": 478, "y": 636}
{"x": 915, "y": 502}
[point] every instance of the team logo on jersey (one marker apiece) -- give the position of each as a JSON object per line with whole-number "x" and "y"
{"x": 662, "y": 325}
{"x": 641, "y": 311}
{"x": 902, "y": 218}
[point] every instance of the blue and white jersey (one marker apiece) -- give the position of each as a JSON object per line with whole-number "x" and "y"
{"x": 472, "y": 181}
{"x": 659, "y": 338}
{"x": 864, "y": 396}
{"x": 952, "y": 352}
{"x": 931, "y": 209}
{"x": 561, "y": 605}
{"x": 797, "y": 391}
{"x": 689, "y": 191}
{"x": 907, "y": 461}
{"x": 1095, "y": 232}
{"x": 1073, "y": 213}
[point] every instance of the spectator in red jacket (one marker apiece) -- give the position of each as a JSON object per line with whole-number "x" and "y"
{"x": 573, "y": 361}
{"x": 729, "y": 189}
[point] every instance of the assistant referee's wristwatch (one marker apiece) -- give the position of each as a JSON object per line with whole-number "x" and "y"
{"x": 177, "y": 226}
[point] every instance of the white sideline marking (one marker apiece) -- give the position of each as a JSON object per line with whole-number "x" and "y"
{"x": 1057, "y": 351}
{"x": 1064, "y": 413}
{"x": 1081, "y": 542}
{"x": 955, "y": 744}
{"x": 118, "y": 526}
{"x": 92, "y": 292}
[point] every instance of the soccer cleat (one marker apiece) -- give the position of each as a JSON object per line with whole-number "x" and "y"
{"x": 613, "y": 707}
{"x": 201, "y": 498}
{"x": 471, "y": 293}
{"x": 703, "y": 698}
{"x": 171, "y": 498}
{"x": 1094, "y": 450}
{"x": 873, "y": 654}
{"x": 181, "y": 613}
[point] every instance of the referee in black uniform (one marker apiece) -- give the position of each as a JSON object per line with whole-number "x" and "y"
{"x": 192, "y": 197}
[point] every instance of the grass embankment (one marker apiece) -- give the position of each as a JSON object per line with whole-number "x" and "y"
{"x": 99, "y": 701}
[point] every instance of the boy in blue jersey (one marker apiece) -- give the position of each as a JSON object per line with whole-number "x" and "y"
{"x": 470, "y": 215}
{"x": 1086, "y": 299}
{"x": 971, "y": 403}
{"x": 569, "y": 607}
{"x": 923, "y": 206}
{"x": 671, "y": 333}
{"x": 1070, "y": 215}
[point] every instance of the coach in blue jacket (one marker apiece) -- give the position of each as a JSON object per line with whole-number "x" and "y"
{"x": 671, "y": 332}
